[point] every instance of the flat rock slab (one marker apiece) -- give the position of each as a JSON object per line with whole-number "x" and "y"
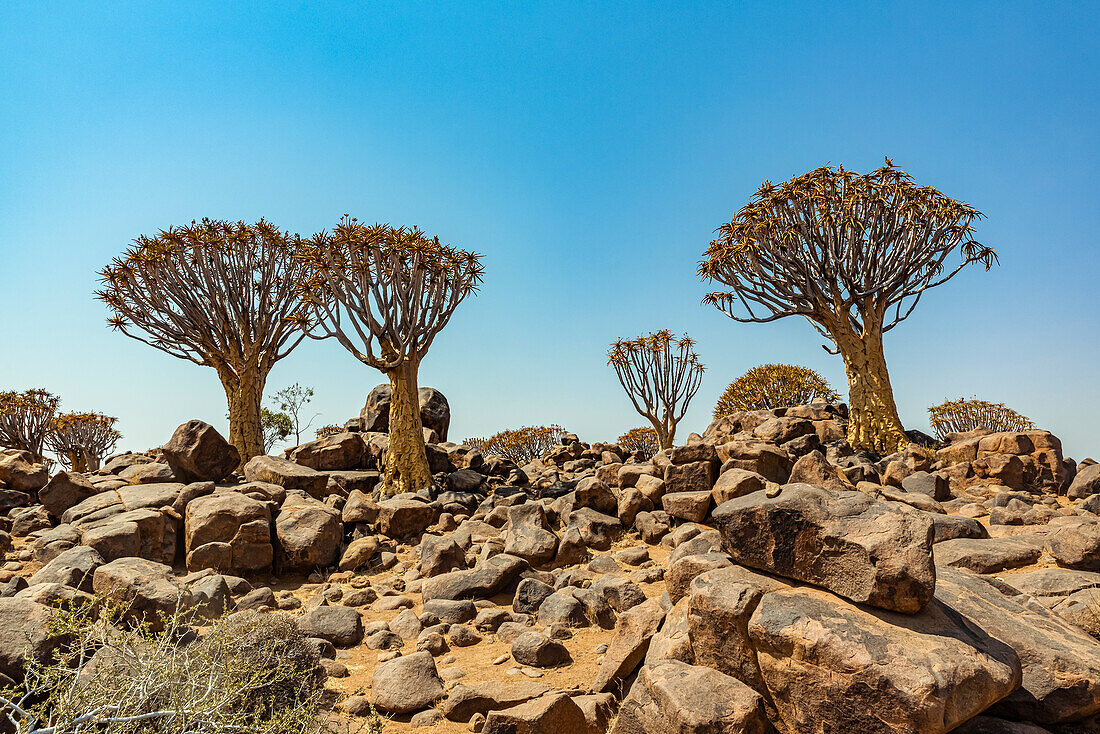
{"x": 988, "y": 555}
{"x": 875, "y": 671}
{"x": 488, "y": 579}
{"x": 464, "y": 701}
{"x": 1061, "y": 663}
{"x": 877, "y": 553}
{"x": 633, "y": 631}
{"x": 1046, "y": 583}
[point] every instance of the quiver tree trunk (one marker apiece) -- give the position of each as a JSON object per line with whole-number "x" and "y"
{"x": 665, "y": 436}
{"x": 244, "y": 389}
{"x": 406, "y": 467}
{"x": 873, "y": 422}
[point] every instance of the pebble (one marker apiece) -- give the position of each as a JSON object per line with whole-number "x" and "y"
{"x": 502, "y": 659}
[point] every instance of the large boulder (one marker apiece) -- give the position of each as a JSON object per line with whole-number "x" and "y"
{"x": 286, "y": 474}
{"x": 309, "y": 533}
{"x": 19, "y": 471}
{"x": 73, "y": 567}
{"x": 488, "y": 579}
{"x": 435, "y": 412}
{"x": 147, "y": 590}
{"x": 554, "y": 713}
{"x": 65, "y": 490}
{"x": 673, "y": 696}
{"x": 406, "y": 684}
{"x": 831, "y": 666}
{"x": 528, "y": 534}
{"x": 24, "y": 635}
{"x": 339, "y": 452}
{"x": 633, "y": 632}
{"x": 872, "y": 552}
{"x": 1086, "y": 483}
{"x": 464, "y": 701}
{"x": 239, "y": 524}
{"x": 403, "y": 517}
{"x": 198, "y": 453}
{"x": 342, "y": 626}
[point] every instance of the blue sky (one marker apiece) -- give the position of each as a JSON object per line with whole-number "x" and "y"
{"x": 588, "y": 150}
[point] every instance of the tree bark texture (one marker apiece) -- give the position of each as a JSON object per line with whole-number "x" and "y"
{"x": 244, "y": 390}
{"x": 406, "y": 467}
{"x": 873, "y": 422}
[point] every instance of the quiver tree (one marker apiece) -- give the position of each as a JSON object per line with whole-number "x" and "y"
{"x": 661, "y": 374}
{"x": 640, "y": 439}
{"x": 960, "y": 416}
{"x": 217, "y": 294}
{"x": 26, "y": 419}
{"x": 384, "y": 293}
{"x": 852, "y": 253}
{"x": 81, "y": 440}
{"x": 521, "y": 445}
{"x": 770, "y": 386}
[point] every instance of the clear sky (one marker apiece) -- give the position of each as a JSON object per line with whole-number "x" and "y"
{"x": 588, "y": 149}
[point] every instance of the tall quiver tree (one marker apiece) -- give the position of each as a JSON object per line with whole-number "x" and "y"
{"x": 384, "y": 293}
{"x": 852, "y": 253}
{"x": 661, "y": 374}
{"x": 217, "y": 294}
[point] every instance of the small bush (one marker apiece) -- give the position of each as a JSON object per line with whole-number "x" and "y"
{"x": 325, "y": 431}
{"x": 960, "y": 416}
{"x": 250, "y": 672}
{"x": 774, "y": 386}
{"x": 640, "y": 439}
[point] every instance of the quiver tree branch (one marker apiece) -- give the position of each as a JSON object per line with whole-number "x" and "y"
{"x": 661, "y": 374}
{"x": 384, "y": 293}
{"x": 217, "y": 294}
{"x": 81, "y": 440}
{"x": 853, "y": 254}
{"x": 26, "y": 419}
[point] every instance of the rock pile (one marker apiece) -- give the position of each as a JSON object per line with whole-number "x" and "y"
{"x": 761, "y": 578}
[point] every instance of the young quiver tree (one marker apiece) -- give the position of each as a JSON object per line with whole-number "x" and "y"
{"x": 661, "y": 374}
{"x": 26, "y": 419}
{"x": 770, "y": 386}
{"x": 521, "y": 445}
{"x": 640, "y": 439}
{"x": 217, "y": 294}
{"x": 852, "y": 253}
{"x": 384, "y": 293}
{"x": 81, "y": 440}
{"x": 961, "y": 416}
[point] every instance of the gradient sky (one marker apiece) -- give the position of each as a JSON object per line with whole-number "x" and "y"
{"x": 589, "y": 150}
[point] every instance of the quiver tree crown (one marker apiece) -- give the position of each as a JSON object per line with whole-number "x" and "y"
{"x": 26, "y": 419}
{"x": 770, "y": 386}
{"x": 853, "y": 254}
{"x": 962, "y": 415}
{"x": 81, "y": 440}
{"x": 218, "y": 294}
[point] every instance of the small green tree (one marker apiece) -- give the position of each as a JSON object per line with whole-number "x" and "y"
{"x": 277, "y": 426}
{"x": 292, "y": 401}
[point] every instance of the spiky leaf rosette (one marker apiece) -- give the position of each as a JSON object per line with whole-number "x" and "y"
{"x": 962, "y": 415}
{"x": 383, "y": 292}
{"x": 770, "y": 386}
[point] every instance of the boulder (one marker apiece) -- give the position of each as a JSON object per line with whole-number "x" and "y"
{"x": 19, "y": 471}
{"x": 439, "y": 555}
{"x": 359, "y": 553}
{"x": 342, "y": 626}
{"x": 988, "y": 555}
{"x": 487, "y": 579}
{"x": 406, "y": 684}
{"x": 24, "y": 635}
{"x": 65, "y": 490}
{"x": 148, "y": 590}
{"x": 198, "y": 453}
{"x": 1076, "y": 544}
{"x": 1085, "y": 484}
{"x": 633, "y": 632}
{"x": 153, "y": 473}
{"x": 286, "y": 474}
{"x": 466, "y": 700}
{"x": 539, "y": 651}
{"x": 234, "y": 519}
{"x": 73, "y": 567}
{"x": 339, "y": 452}
{"x": 400, "y": 517}
{"x": 872, "y": 552}
{"x": 554, "y": 713}
{"x": 673, "y": 696}
{"x": 435, "y": 412}
{"x": 528, "y": 535}
{"x": 309, "y": 533}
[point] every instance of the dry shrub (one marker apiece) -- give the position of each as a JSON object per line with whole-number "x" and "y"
{"x": 770, "y": 386}
{"x": 249, "y": 672}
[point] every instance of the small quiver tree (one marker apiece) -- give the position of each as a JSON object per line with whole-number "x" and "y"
{"x": 852, "y": 253}
{"x": 384, "y": 293}
{"x": 960, "y": 416}
{"x": 329, "y": 430}
{"x": 661, "y": 374}
{"x": 26, "y": 419}
{"x": 81, "y": 440}
{"x": 640, "y": 439}
{"x": 770, "y": 386}
{"x": 523, "y": 445}
{"x": 217, "y": 294}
